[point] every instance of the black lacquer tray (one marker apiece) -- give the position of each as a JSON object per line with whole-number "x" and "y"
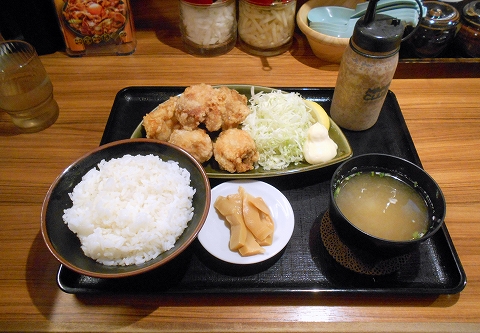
{"x": 304, "y": 266}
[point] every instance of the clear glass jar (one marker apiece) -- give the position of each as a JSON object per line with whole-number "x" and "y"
{"x": 208, "y": 27}
{"x": 265, "y": 27}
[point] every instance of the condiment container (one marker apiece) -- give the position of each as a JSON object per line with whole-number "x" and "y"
{"x": 265, "y": 27}
{"x": 208, "y": 27}
{"x": 458, "y": 4}
{"x": 436, "y": 31}
{"x": 97, "y": 27}
{"x": 366, "y": 70}
{"x": 468, "y": 37}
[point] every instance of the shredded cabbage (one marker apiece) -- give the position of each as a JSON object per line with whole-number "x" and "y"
{"x": 278, "y": 124}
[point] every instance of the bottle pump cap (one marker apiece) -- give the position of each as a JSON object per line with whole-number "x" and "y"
{"x": 378, "y": 33}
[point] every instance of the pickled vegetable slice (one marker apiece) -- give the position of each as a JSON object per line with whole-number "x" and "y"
{"x": 251, "y": 224}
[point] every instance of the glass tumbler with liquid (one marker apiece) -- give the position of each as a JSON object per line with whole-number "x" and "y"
{"x": 26, "y": 92}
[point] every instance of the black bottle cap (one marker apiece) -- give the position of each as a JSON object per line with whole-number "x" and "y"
{"x": 383, "y": 34}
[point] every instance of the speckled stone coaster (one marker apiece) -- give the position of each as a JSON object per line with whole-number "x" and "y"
{"x": 360, "y": 262}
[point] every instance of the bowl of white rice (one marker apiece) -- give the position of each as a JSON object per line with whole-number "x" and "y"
{"x": 125, "y": 208}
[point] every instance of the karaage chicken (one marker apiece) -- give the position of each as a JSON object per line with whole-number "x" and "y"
{"x": 194, "y": 105}
{"x": 189, "y": 119}
{"x": 218, "y": 108}
{"x": 235, "y": 151}
{"x": 234, "y": 108}
{"x": 196, "y": 142}
{"x": 160, "y": 123}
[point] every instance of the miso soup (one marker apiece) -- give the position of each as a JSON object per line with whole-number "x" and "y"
{"x": 383, "y": 206}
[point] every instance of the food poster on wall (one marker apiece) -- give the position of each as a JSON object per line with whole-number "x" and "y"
{"x": 97, "y": 27}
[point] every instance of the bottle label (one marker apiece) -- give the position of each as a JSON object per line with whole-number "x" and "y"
{"x": 375, "y": 93}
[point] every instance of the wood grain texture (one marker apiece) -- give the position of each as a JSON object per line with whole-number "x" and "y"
{"x": 442, "y": 111}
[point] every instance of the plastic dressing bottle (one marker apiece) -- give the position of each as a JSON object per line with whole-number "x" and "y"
{"x": 366, "y": 70}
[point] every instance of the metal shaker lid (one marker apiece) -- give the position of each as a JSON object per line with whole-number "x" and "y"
{"x": 440, "y": 15}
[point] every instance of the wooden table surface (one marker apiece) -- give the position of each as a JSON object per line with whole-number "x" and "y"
{"x": 441, "y": 105}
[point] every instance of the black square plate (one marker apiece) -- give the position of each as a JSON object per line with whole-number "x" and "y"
{"x": 304, "y": 266}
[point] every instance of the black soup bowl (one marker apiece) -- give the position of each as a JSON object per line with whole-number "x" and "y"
{"x": 403, "y": 170}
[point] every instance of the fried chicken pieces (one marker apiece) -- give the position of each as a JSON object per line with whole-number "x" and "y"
{"x": 197, "y": 142}
{"x": 192, "y": 119}
{"x": 160, "y": 123}
{"x": 235, "y": 150}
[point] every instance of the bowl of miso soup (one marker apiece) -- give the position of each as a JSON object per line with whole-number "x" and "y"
{"x": 385, "y": 204}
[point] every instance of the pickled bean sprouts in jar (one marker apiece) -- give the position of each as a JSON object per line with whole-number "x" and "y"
{"x": 266, "y": 27}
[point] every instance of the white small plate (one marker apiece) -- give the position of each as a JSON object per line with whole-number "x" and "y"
{"x": 215, "y": 233}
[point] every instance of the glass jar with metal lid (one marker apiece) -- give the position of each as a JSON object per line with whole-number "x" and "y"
{"x": 208, "y": 27}
{"x": 265, "y": 27}
{"x": 468, "y": 37}
{"x": 436, "y": 31}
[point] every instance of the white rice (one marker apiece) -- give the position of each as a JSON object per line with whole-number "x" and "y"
{"x": 130, "y": 209}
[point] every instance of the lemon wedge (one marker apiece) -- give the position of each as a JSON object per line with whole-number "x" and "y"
{"x": 319, "y": 113}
